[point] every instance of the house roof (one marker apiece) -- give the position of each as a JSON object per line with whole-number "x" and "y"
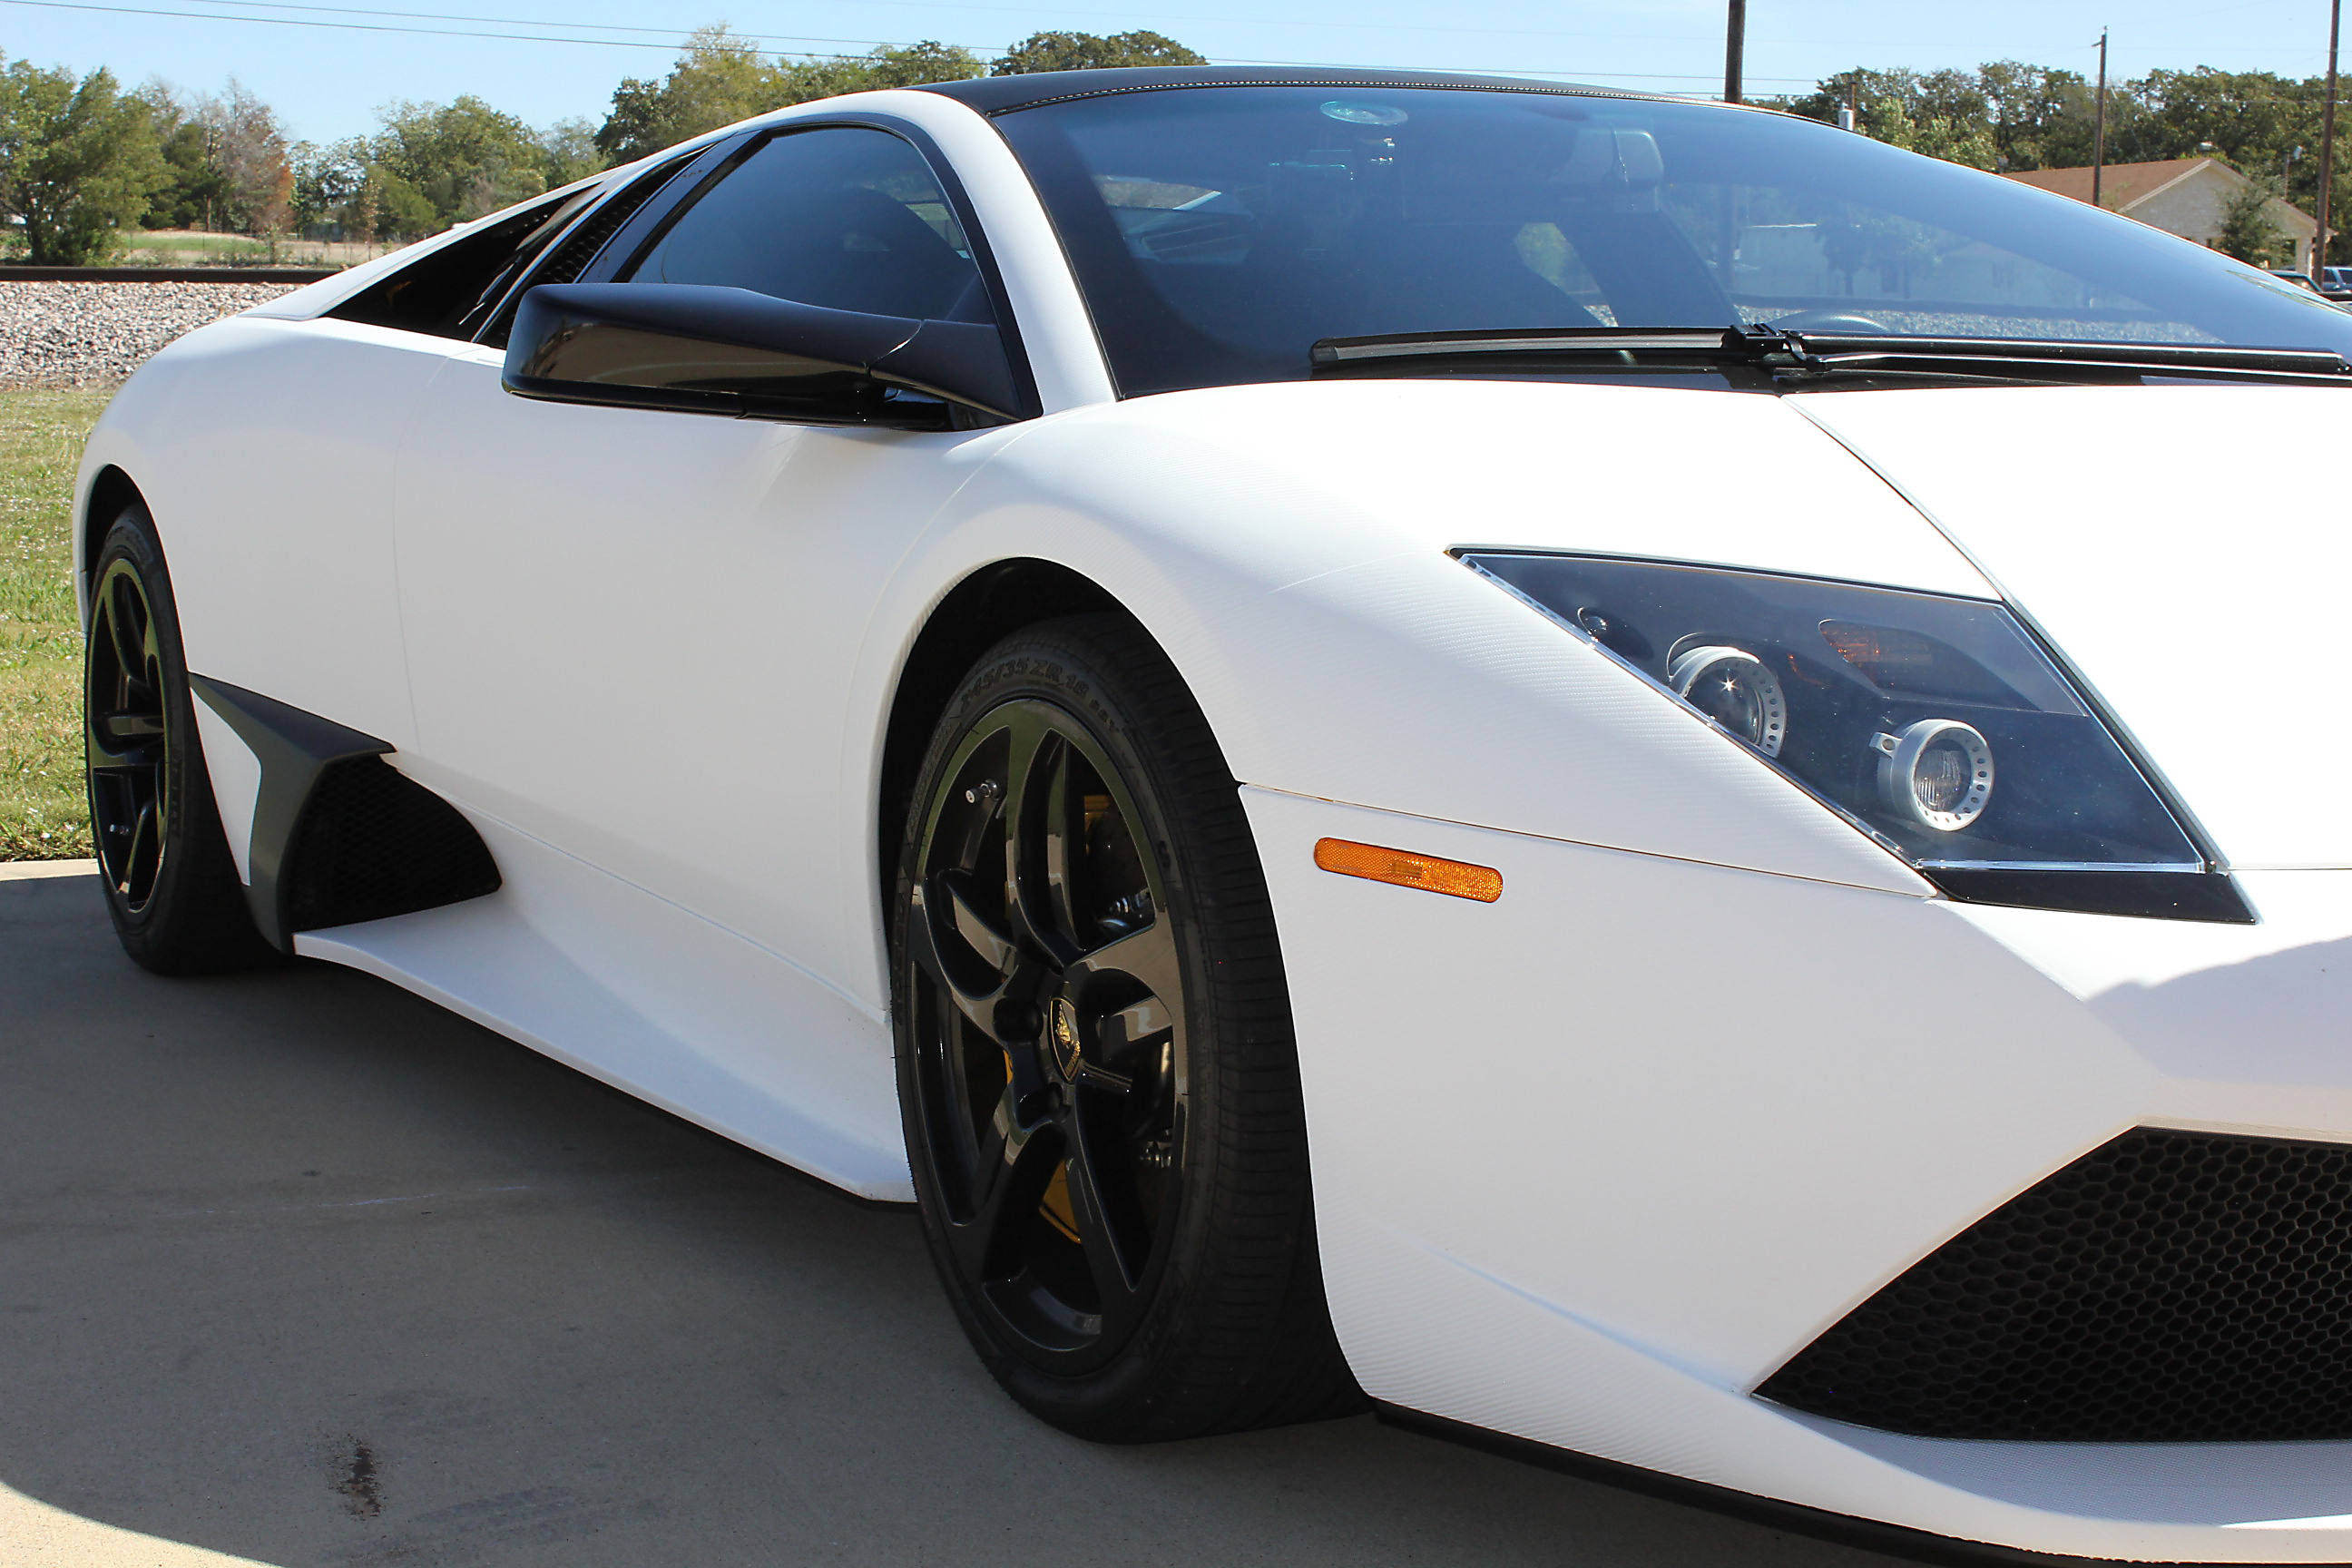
{"x": 2121, "y": 184}
{"x": 2126, "y": 185}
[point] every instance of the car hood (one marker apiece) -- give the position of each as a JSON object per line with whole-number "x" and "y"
{"x": 2183, "y": 546}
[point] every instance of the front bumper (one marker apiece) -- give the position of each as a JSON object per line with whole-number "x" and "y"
{"x": 1593, "y": 1160}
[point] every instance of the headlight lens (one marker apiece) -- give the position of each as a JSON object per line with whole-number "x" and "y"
{"x": 1940, "y": 726}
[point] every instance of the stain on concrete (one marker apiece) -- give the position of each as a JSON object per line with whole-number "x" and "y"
{"x": 357, "y": 1480}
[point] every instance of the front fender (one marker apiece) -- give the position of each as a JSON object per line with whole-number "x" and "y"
{"x": 1287, "y": 546}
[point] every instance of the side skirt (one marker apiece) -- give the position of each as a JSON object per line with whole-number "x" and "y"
{"x": 1845, "y": 1529}
{"x": 658, "y": 1001}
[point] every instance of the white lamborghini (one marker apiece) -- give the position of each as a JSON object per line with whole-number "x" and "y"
{"x": 1634, "y": 780}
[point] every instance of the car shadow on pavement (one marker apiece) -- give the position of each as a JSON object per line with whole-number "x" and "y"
{"x": 297, "y": 1267}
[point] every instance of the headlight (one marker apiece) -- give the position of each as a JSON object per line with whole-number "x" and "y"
{"x": 1938, "y": 726}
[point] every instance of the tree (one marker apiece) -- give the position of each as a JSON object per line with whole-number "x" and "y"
{"x": 2044, "y": 119}
{"x": 572, "y": 151}
{"x": 249, "y": 150}
{"x": 328, "y": 183}
{"x": 1951, "y": 137}
{"x": 2247, "y": 231}
{"x": 1948, "y": 114}
{"x": 721, "y": 78}
{"x": 194, "y": 189}
{"x": 395, "y": 209}
{"x": 227, "y": 158}
{"x": 460, "y": 159}
{"x": 1086, "y": 51}
{"x": 634, "y": 127}
{"x": 803, "y": 81}
{"x": 928, "y": 61}
{"x": 2250, "y": 118}
{"x": 78, "y": 161}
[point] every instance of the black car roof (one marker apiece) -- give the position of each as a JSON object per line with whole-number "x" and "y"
{"x": 1004, "y": 94}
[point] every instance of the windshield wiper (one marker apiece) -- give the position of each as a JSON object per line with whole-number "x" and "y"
{"x": 1830, "y": 354}
{"x": 1601, "y": 343}
{"x": 1800, "y": 356}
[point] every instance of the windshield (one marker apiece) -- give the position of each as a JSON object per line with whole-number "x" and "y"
{"x": 1220, "y": 232}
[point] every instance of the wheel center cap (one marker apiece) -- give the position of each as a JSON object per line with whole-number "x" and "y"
{"x": 1062, "y": 1034}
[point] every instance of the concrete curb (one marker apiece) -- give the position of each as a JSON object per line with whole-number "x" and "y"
{"x": 34, "y": 871}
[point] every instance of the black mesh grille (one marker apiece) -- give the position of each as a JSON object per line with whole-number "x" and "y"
{"x": 578, "y": 248}
{"x": 373, "y": 843}
{"x": 2169, "y": 1286}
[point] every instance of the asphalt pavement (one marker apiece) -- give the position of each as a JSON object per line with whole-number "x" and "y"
{"x": 298, "y": 1269}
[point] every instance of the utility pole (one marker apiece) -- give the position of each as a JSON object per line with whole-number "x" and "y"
{"x": 2099, "y": 129}
{"x": 2327, "y": 138}
{"x": 1735, "y": 49}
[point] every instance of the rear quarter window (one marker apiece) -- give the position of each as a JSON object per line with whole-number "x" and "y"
{"x": 440, "y": 294}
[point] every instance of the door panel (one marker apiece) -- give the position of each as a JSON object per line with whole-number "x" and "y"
{"x": 630, "y": 635}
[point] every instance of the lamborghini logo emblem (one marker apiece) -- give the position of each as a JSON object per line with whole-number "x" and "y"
{"x": 1064, "y": 1028}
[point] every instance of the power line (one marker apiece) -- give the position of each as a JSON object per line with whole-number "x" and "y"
{"x": 666, "y": 34}
{"x": 1033, "y": 10}
{"x": 648, "y": 43}
{"x": 386, "y": 28}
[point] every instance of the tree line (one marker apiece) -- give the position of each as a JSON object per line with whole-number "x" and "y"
{"x": 2010, "y": 116}
{"x": 83, "y": 161}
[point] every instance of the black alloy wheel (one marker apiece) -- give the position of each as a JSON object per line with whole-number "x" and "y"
{"x": 1053, "y": 1022}
{"x": 130, "y": 743}
{"x": 1126, "y": 1232}
{"x": 172, "y": 888}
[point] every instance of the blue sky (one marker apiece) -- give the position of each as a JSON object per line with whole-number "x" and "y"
{"x": 327, "y": 82}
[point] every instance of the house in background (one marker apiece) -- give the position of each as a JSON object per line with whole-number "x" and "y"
{"x": 2186, "y": 197}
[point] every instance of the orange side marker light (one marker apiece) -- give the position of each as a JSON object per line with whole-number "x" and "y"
{"x": 1404, "y": 869}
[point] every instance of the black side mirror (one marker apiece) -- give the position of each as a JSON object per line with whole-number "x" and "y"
{"x": 698, "y": 349}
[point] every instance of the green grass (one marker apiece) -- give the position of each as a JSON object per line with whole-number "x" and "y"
{"x": 42, "y": 813}
{"x": 229, "y": 244}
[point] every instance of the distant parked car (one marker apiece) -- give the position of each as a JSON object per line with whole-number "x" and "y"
{"x": 2300, "y": 280}
{"x": 2335, "y": 282}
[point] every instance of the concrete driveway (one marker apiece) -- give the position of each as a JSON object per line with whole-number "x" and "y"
{"x": 296, "y": 1268}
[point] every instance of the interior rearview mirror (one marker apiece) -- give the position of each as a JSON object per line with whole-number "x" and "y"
{"x": 694, "y": 348}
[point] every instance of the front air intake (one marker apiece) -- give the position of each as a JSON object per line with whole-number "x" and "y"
{"x": 2166, "y": 1288}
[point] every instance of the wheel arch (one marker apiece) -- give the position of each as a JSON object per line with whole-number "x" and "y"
{"x": 987, "y": 605}
{"x": 110, "y": 490}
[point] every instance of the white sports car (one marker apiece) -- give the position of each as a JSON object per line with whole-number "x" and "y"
{"x": 1710, "y": 723}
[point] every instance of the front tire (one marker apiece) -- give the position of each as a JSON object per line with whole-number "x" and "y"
{"x": 1096, "y": 1065}
{"x": 171, "y": 886}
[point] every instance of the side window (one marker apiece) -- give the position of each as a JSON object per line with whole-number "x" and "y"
{"x": 438, "y": 293}
{"x": 847, "y": 218}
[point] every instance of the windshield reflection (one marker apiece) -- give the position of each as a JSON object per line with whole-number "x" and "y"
{"x": 1220, "y": 232}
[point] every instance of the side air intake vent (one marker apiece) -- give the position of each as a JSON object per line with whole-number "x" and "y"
{"x": 2169, "y": 1286}
{"x": 373, "y": 843}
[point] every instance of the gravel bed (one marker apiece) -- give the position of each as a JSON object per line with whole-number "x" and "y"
{"x": 94, "y": 335}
